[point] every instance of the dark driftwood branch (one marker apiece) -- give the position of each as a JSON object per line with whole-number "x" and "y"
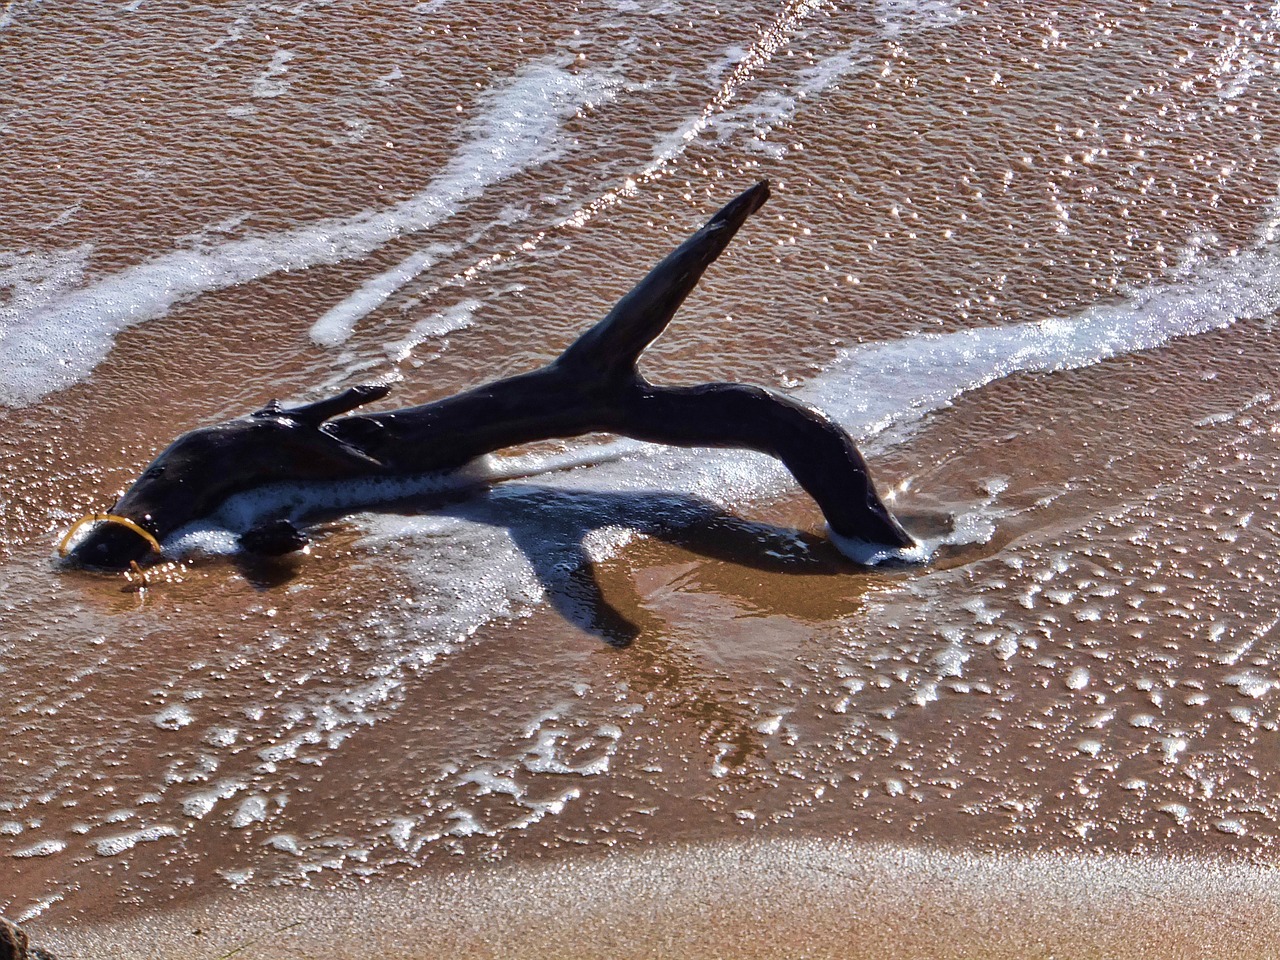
{"x": 593, "y": 386}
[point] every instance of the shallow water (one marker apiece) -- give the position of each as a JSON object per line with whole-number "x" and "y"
{"x": 1028, "y": 257}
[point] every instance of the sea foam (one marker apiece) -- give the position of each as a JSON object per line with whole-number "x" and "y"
{"x": 52, "y": 336}
{"x": 517, "y": 130}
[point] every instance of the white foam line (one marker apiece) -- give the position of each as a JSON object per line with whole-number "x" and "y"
{"x": 875, "y": 385}
{"x": 457, "y": 317}
{"x": 867, "y": 389}
{"x": 868, "y": 554}
{"x": 761, "y": 116}
{"x": 490, "y": 558}
{"x": 772, "y": 40}
{"x": 265, "y": 85}
{"x": 60, "y": 343}
{"x": 895, "y": 15}
{"x": 516, "y": 133}
{"x": 374, "y": 292}
{"x": 775, "y": 108}
{"x": 216, "y": 534}
{"x": 15, "y": 9}
{"x": 770, "y": 109}
{"x": 501, "y": 540}
{"x": 337, "y": 324}
{"x": 672, "y": 147}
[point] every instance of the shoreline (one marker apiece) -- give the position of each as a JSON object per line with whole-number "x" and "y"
{"x": 752, "y": 899}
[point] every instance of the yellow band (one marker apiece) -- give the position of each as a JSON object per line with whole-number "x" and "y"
{"x": 146, "y": 535}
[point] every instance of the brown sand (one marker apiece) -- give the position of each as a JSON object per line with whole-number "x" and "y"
{"x": 1079, "y": 713}
{"x": 772, "y": 899}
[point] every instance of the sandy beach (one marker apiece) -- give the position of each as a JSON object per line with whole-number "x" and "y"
{"x": 771, "y": 899}
{"x": 624, "y": 699}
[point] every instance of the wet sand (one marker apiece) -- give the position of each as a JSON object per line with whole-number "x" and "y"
{"x": 768, "y": 899}
{"x": 1027, "y": 257}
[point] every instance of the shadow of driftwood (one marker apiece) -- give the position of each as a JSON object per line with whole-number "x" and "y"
{"x": 554, "y": 530}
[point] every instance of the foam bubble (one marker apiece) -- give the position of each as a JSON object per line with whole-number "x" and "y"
{"x": 197, "y": 805}
{"x": 252, "y": 809}
{"x": 120, "y": 843}
{"x": 1077, "y": 679}
{"x": 45, "y": 848}
{"x": 173, "y": 718}
{"x": 1250, "y": 684}
{"x": 288, "y": 843}
{"x": 875, "y": 554}
{"x": 337, "y": 323}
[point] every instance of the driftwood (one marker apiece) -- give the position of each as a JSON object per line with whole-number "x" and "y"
{"x": 16, "y": 945}
{"x": 593, "y": 386}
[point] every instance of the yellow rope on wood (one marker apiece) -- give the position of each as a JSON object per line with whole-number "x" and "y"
{"x": 64, "y": 546}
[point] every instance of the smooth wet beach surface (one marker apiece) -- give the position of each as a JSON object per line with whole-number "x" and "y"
{"x": 1029, "y": 258}
{"x": 771, "y": 899}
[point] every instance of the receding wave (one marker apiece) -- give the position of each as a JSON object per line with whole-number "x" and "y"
{"x": 51, "y": 341}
